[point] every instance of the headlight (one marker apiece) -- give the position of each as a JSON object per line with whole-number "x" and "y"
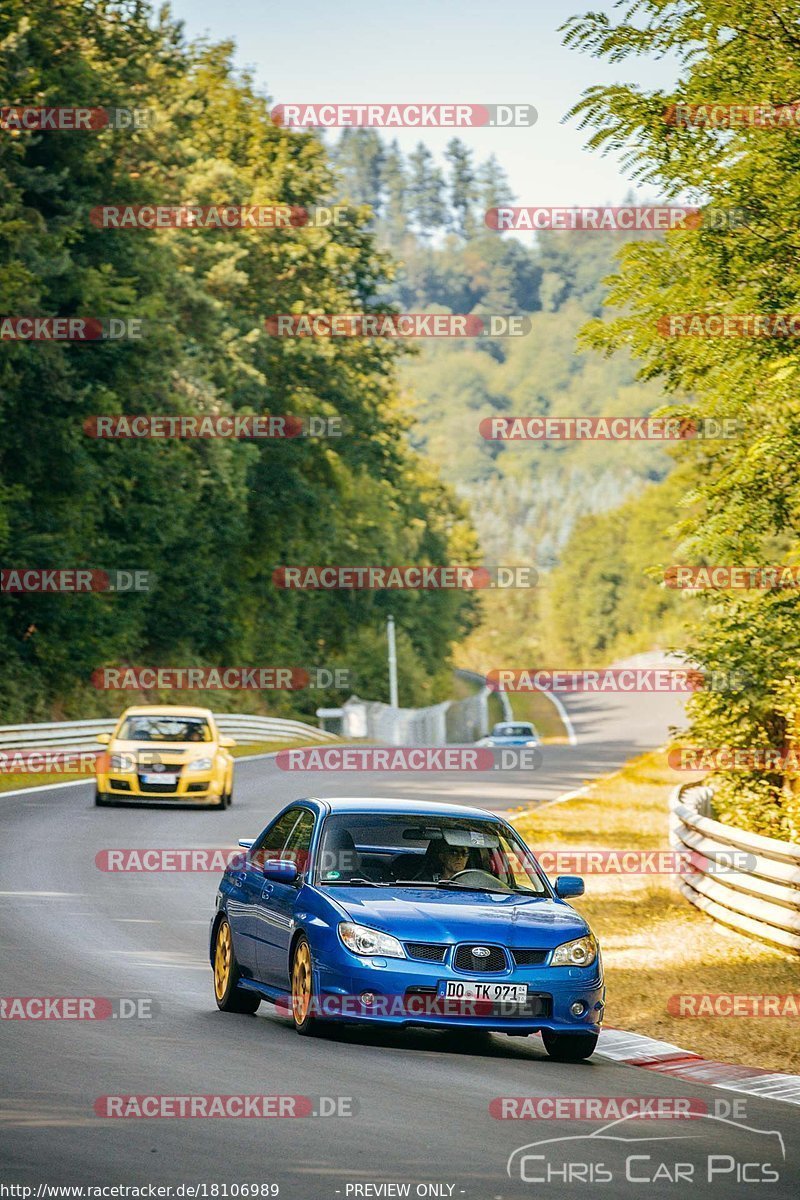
{"x": 580, "y": 953}
{"x": 199, "y": 764}
{"x": 120, "y": 762}
{"x": 362, "y": 940}
{"x": 532, "y": 742}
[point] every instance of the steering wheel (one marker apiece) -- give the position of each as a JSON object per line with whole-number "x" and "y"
{"x": 477, "y": 878}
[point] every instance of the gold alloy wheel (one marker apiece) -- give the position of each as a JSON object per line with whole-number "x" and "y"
{"x": 301, "y": 983}
{"x": 222, "y": 960}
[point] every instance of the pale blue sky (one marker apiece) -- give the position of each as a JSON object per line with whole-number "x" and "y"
{"x": 439, "y": 51}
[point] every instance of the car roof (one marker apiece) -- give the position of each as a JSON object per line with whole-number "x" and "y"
{"x": 377, "y": 804}
{"x": 511, "y": 724}
{"x": 166, "y": 710}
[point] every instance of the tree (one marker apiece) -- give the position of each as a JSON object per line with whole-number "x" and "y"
{"x": 395, "y": 188}
{"x": 463, "y": 186}
{"x": 742, "y": 259}
{"x": 210, "y": 519}
{"x": 360, "y": 155}
{"x": 426, "y": 193}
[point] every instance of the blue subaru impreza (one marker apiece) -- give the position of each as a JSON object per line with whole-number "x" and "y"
{"x": 405, "y": 913}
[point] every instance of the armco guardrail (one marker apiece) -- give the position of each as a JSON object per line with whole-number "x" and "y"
{"x": 241, "y": 726}
{"x": 761, "y": 901}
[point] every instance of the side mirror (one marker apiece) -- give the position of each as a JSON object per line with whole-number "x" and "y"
{"x": 569, "y": 885}
{"x": 226, "y": 742}
{"x": 279, "y": 870}
{"x": 103, "y": 738}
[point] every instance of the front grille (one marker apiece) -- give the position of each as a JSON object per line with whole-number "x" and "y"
{"x": 427, "y": 951}
{"x": 465, "y": 960}
{"x": 420, "y": 991}
{"x": 528, "y": 958}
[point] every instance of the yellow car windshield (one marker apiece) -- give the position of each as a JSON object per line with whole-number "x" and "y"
{"x": 165, "y": 729}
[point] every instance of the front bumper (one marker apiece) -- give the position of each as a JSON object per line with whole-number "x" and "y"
{"x": 189, "y": 788}
{"x": 405, "y": 992}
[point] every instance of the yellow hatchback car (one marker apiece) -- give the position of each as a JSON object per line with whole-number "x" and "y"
{"x": 166, "y": 753}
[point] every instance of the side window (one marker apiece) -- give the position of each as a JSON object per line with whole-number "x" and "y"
{"x": 299, "y": 841}
{"x": 272, "y": 842}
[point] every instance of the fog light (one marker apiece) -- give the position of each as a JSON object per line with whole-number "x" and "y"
{"x": 578, "y": 1008}
{"x": 367, "y": 999}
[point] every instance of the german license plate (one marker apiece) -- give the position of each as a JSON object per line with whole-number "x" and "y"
{"x": 473, "y": 989}
{"x": 170, "y": 779}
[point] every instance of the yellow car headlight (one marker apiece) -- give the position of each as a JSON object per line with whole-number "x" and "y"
{"x": 199, "y": 764}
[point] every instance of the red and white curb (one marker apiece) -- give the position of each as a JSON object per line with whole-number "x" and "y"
{"x": 636, "y": 1050}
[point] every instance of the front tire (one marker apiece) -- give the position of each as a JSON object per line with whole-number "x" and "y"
{"x": 306, "y": 1022}
{"x": 227, "y": 993}
{"x": 569, "y": 1047}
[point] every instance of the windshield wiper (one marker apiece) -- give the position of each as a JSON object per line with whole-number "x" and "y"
{"x": 359, "y": 882}
{"x": 471, "y": 887}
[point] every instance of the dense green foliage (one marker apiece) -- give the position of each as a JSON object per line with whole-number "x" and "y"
{"x": 607, "y": 598}
{"x": 745, "y": 499}
{"x": 524, "y": 497}
{"x": 211, "y": 519}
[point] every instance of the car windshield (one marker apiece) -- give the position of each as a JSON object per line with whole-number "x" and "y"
{"x": 513, "y": 731}
{"x": 165, "y": 729}
{"x": 402, "y": 850}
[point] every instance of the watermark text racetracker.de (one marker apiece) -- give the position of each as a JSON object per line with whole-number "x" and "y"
{"x": 70, "y": 329}
{"x": 608, "y": 429}
{"x": 613, "y": 1108}
{"x": 216, "y": 679}
{"x": 413, "y": 115}
{"x": 725, "y": 325}
{"x": 398, "y": 325}
{"x": 409, "y": 758}
{"x": 733, "y": 116}
{"x": 191, "y": 426}
{"x": 77, "y": 1008}
{"x": 215, "y": 1105}
{"x": 733, "y": 1004}
{"x": 51, "y": 761}
{"x": 773, "y": 759}
{"x": 69, "y": 580}
{"x": 337, "y": 577}
{"x": 221, "y": 217}
{"x": 726, "y": 576}
{"x": 25, "y": 118}
{"x": 615, "y": 679}
{"x": 628, "y": 218}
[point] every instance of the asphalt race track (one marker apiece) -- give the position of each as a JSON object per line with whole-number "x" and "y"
{"x": 420, "y": 1099}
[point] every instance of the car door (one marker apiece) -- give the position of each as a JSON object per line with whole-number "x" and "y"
{"x": 248, "y": 884}
{"x": 278, "y": 904}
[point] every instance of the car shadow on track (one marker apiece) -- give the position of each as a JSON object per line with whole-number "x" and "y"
{"x": 468, "y": 1043}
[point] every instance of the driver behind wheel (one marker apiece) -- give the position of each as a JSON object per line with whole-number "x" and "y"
{"x": 442, "y": 861}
